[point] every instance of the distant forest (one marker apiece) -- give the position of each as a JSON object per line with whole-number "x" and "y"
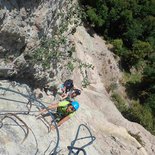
{"x": 130, "y": 26}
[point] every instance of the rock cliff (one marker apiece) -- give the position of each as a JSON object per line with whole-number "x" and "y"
{"x": 24, "y": 22}
{"x": 91, "y": 65}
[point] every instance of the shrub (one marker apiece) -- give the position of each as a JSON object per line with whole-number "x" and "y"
{"x": 142, "y": 115}
{"x": 136, "y": 112}
{"x": 70, "y": 66}
{"x": 118, "y": 46}
{"x": 119, "y": 102}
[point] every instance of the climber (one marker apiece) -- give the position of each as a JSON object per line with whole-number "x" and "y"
{"x": 63, "y": 90}
{"x": 66, "y": 87}
{"x": 72, "y": 95}
{"x": 64, "y": 111}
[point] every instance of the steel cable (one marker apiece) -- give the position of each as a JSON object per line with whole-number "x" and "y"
{"x": 71, "y": 147}
{"x": 31, "y": 98}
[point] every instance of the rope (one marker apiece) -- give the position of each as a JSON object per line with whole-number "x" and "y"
{"x": 71, "y": 148}
{"x": 10, "y": 115}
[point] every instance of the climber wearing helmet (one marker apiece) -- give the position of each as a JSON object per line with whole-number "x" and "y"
{"x": 67, "y": 91}
{"x": 71, "y": 96}
{"x": 64, "y": 111}
{"x": 66, "y": 87}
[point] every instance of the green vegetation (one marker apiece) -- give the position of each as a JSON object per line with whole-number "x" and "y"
{"x": 120, "y": 103}
{"x": 142, "y": 115}
{"x": 135, "y": 112}
{"x": 70, "y": 66}
{"x": 130, "y": 26}
{"x": 59, "y": 50}
{"x": 49, "y": 53}
{"x": 84, "y": 67}
{"x": 53, "y": 50}
{"x": 112, "y": 87}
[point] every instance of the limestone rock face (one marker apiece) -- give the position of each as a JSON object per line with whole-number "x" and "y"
{"x": 23, "y": 23}
{"x": 22, "y": 133}
{"x": 92, "y": 49}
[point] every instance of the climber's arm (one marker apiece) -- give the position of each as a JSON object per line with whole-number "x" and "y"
{"x": 63, "y": 120}
{"x": 50, "y": 107}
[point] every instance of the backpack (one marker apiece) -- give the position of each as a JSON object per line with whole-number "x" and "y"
{"x": 69, "y": 84}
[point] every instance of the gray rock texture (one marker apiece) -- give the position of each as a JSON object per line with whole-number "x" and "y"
{"x": 24, "y": 22}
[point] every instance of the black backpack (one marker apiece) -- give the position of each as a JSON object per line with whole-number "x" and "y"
{"x": 68, "y": 84}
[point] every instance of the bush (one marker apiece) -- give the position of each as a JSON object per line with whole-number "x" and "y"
{"x": 142, "y": 115}
{"x": 118, "y": 46}
{"x": 151, "y": 102}
{"x": 141, "y": 49}
{"x": 119, "y": 102}
{"x": 94, "y": 18}
{"x": 136, "y": 112}
{"x": 70, "y": 66}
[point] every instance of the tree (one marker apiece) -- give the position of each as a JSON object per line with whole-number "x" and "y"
{"x": 149, "y": 29}
{"x": 142, "y": 115}
{"x": 141, "y": 49}
{"x": 150, "y": 102}
{"x": 147, "y": 88}
{"x": 97, "y": 16}
{"x": 133, "y": 33}
{"x": 118, "y": 46}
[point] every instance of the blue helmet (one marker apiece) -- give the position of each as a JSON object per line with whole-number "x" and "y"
{"x": 75, "y": 104}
